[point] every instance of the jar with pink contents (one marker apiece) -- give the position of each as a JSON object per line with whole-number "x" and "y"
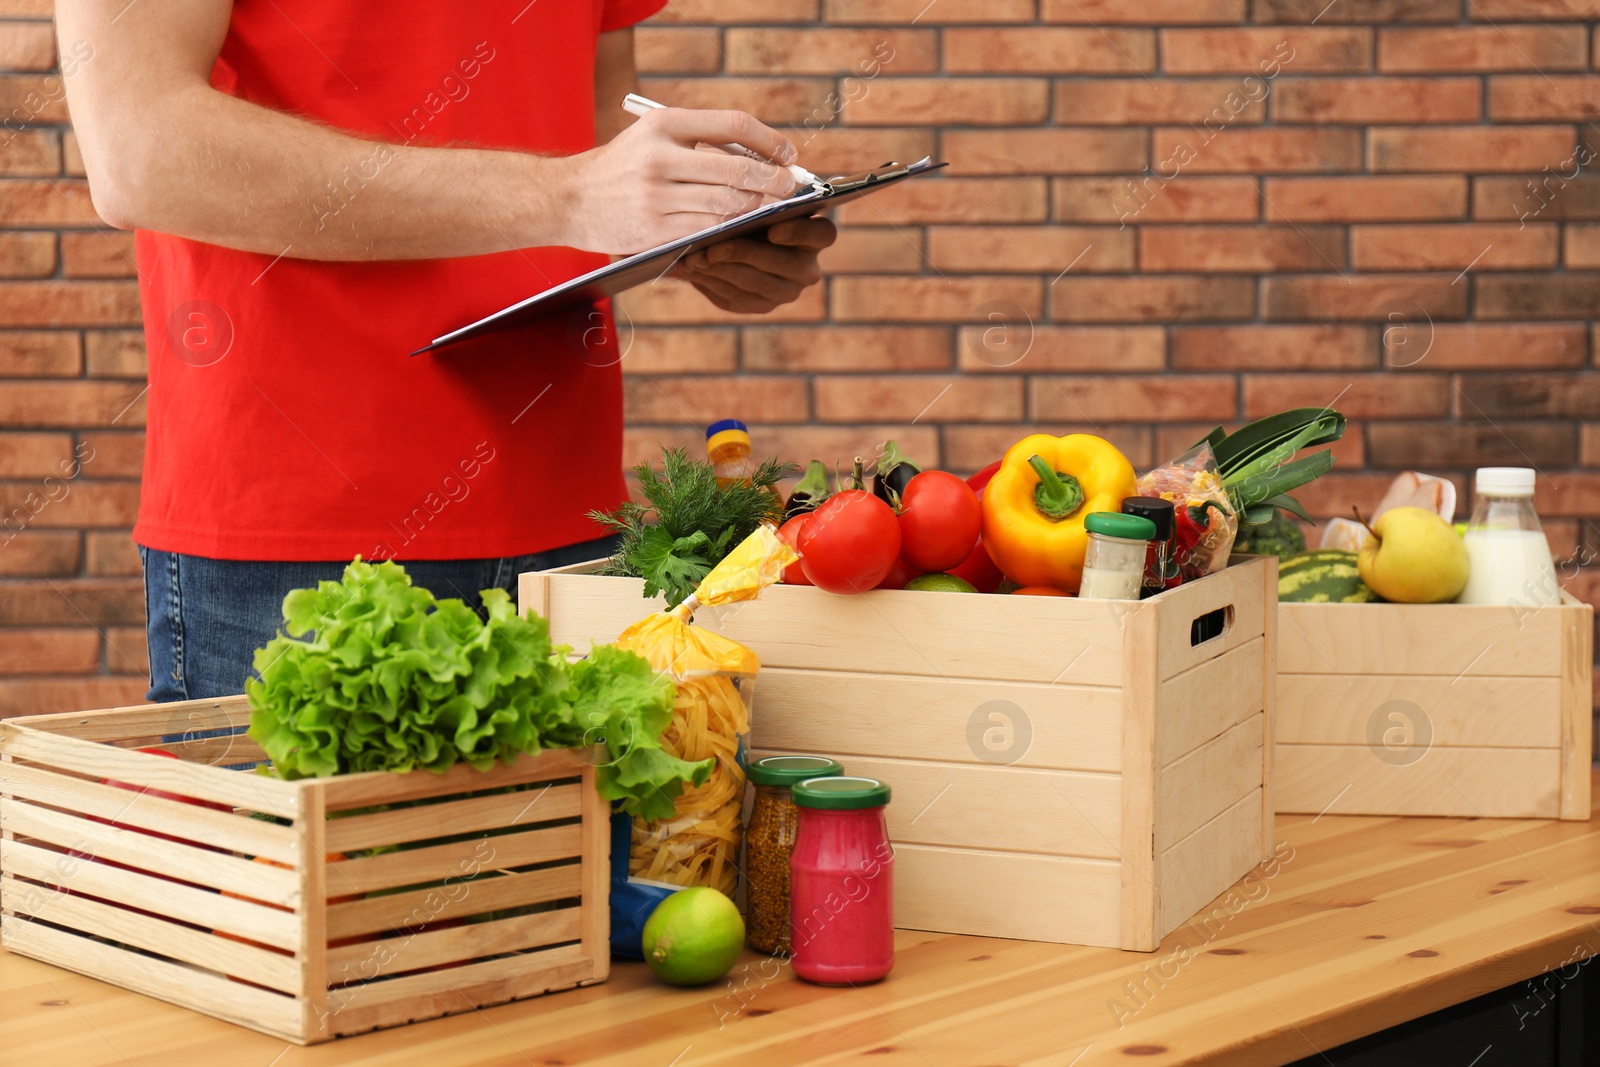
{"x": 842, "y": 882}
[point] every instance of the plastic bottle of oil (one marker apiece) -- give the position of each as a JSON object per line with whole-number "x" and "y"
{"x": 728, "y": 447}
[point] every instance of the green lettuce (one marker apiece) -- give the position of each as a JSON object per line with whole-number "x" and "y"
{"x": 372, "y": 673}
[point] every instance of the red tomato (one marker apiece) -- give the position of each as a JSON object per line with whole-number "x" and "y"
{"x": 979, "y": 569}
{"x": 899, "y": 574}
{"x": 940, "y": 519}
{"x": 850, "y": 542}
{"x": 789, "y": 534}
{"x": 981, "y": 479}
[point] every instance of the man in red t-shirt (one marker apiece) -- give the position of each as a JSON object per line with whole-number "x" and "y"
{"x": 322, "y": 186}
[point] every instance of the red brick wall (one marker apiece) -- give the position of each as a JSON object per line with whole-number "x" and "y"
{"x": 1159, "y": 215}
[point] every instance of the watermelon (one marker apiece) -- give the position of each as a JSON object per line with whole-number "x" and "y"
{"x": 1325, "y": 576}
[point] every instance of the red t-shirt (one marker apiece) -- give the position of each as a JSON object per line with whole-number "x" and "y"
{"x": 286, "y": 419}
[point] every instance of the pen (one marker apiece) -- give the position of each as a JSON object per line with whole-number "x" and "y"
{"x": 635, "y": 104}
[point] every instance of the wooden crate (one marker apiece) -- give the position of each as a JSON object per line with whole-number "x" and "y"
{"x": 1142, "y": 792}
{"x": 1435, "y": 709}
{"x": 152, "y": 886}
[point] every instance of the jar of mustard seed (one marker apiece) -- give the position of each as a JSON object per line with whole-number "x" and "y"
{"x": 769, "y": 840}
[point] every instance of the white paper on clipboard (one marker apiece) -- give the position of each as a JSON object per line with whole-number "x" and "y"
{"x": 651, "y": 264}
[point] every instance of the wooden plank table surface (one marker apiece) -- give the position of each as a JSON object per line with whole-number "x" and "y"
{"x": 1358, "y": 924}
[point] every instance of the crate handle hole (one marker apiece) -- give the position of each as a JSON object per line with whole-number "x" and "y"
{"x": 1211, "y": 625}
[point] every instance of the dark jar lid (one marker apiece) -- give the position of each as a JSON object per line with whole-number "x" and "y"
{"x": 843, "y": 793}
{"x": 787, "y": 770}
{"x": 1153, "y": 508}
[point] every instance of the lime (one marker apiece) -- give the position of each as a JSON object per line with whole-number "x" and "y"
{"x": 693, "y": 937}
{"x": 941, "y": 583}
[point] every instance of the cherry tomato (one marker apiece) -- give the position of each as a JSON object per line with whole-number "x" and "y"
{"x": 979, "y": 570}
{"x": 940, "y": 519}
{"x": 1038, "y": 590}
{"x": 981, "y": 479}
{"x": 850, "y": 543}
{"x": 789, "y": 534}
{"x": 899, "y": 574}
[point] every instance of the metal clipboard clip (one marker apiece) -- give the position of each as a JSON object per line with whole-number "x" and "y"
{"x": 846, "y": 183}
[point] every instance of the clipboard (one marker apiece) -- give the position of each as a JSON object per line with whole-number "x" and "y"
{"x": 651, "y": 264}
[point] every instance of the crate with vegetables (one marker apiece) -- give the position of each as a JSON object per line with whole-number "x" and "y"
{"x": 406, "y": 816}
{"x": 1054, "y": 667}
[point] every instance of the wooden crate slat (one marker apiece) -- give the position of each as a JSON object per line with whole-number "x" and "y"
{"x": 457, "y": 817}
{"x": 1207, "y": 700}
{"x": 382, "y": 787}
{"x": 596, "y": 897}
{"x": 1439, "y": 639}
{"x": 270, "y": 926}
{"x": 1577, "y": 708}
{"x": 429, "y": 948}
{"x": 189, "y": 987}
{"x": 1072, "y": 727}
{"x": 1239, "y": 590}
{"x": 1197, "y": 869}
{"x": 240, "y": 789}
{"x": 227, "y": 751}
{"x": 141, "y": 851}
{"x": 146, "y": 811}
{"x": 147, "y": 720}
{"x": 1199, "y": 786}
{"x": 1136, "y": 912}
{"x": 1470, "y": 711}
{"x": 154, "y": 934}
{"x": 438, "y": 862}
{"x": 1463, "y": 782}
{"x": 420, "y": 908}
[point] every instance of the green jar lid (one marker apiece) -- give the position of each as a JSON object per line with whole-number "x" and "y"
{"x": 1116, "y": 524}
{"x": 787, "y": 770}
{"x": 844, "y": 792}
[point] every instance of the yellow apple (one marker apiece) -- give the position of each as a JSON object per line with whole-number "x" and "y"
{"x": 1412, "y": 556}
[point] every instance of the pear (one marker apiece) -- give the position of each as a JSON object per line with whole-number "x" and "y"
{"x": 1412, "y": 556}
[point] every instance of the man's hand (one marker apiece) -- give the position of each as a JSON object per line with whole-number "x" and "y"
{"x": 755, "y": 275}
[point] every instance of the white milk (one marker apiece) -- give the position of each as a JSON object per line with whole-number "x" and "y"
{"x": 1510, "y": 567}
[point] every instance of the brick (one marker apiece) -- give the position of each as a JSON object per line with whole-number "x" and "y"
{"x": 39, "y": 554}
{"x": 127, "y": 651}
{"x": 836, "y": 446}
{"x": 61, "y": 504}
{"x": 40, "y": 354}
{"x": 677, "y": 49}
{"x": 1530, "y": 396}
{"x": 1358, "y": 12}
{"x": 1364, "y": 298}
{"x": 1220, "y": 102}
{"x": 1550, "y": 197}
{"x": 677, "y": 351}
{"x": 1566, "y": 493}
{"x": 1254, "y": 249}
{"x": 111, "y": 453}
{"x": 30, "y": 153}
{"x": 1482, "y": 49}
{"x": 1172, "y": 298}
{"x": 1445, "y": 445}
{"x": 1335, "y": 493}
{"x": 696, "y": 402}
{"x": 847, "y": 348}
{"x": 1032, "y": 249}
{"x": 39, "y": 9}
{"x": 1151, "y": 12}
{"x": 1359, "y": 396}
{"x": 873, "y": 250}
{"x": 1533, "y": 9}
{"x": 956, "y": 101}
{"x": 1277, "y": 150}
{"x": 845, "y": 151}
{"x": 862, "y": 53}
{"x": 1053, "y": 151}
{"x": 46, "y": 695}
{"x": 674, "y": 302}
{"x": 1483, "y": 246}
{"x": 875, "y": 298}
{"x": 938, "y": 200}
{"x": 116, "y": 354}
{"x": 33, "y": 99}
{"x": 1365, "y": 199}
{"x": 933, "y": 398}
{"x": 772, "y": 100}
{"x": 97, "y": 601}
{"x": 34, "y": 455}
{"x": 1583, "y": 246}
{"x": 1266, "y": 51}
{"x": 1542, "y": 97}
{"x": 111, "y": 554}
{"x": 97, "y": 255}
{"x": 30, "y": 405}
{"x": 1132, "y": 398}
{"x": 643, "y": 444}
{"x": 1589, "y": 444}
{"x": 1488, "y": 346}
{"x": 1367, "y": 100}
{"x": 52, "y": 651}
{"x": 1470, "y": 149}
{"x": 27, "y": 255}
{"x": 27, "y": 46}
{"x": 923, "y": 13}
{"x": 1274, "y": 347}
{"x": 1544, "y": 296}
{"x": 53, "y": 303}
{"x": 1049, "y": 51}
{"x": 971, "y": 448}
{"x": 72, "y": 156}
{"x": 1002, "y": 348}
{"x": 702, "y": 12}
{"x": 1148, "y": 198}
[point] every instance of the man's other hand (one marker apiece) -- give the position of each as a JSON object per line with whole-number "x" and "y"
{"x": 755, "y": 275}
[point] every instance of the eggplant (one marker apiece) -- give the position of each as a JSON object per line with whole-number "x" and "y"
{"x": 894, "y": 472}
{"x": 809, "y": 492}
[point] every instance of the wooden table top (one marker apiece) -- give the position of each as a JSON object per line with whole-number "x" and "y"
{"x": 1357, "y": 925}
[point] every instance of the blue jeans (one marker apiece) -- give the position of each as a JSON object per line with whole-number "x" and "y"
{"x": 205, "y": 618}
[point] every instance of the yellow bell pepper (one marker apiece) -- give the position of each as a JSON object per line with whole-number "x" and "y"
{"x": 1034, "y": 506}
